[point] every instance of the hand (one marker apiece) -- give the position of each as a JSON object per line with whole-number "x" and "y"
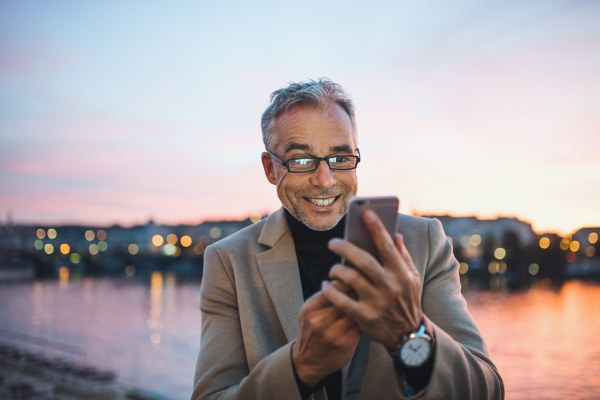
{"x": 326, "y": 341}
{"x": 389, "y": 302}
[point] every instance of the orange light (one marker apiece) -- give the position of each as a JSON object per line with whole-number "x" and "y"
{"x": 186, "y": 241}
{"x": 101, "y": 235}
{"x": 89, "y": 235}
{"x": 41, "y": 233}
{"x": 593, "y": 237}
{"x": 172, "y": 238}
{"x": 544, "y": 242}
{"x": 157, "y": 240}
{"x": 199, "y": 249}
{"x": 64, "y": 248}
{"x": 590, "y": 251}
{"x": 574, "y": 245}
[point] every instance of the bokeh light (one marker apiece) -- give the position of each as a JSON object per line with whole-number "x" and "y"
{"x": 533, "y": 269}
{"x": 592, "y": 237}
{"x": 177, "y": 251}
{"x": 102, "y": 245}
{"x": 502, "y": 267}
{"x": 465, "y": 241}
{"x": 94, "y": 249}
{"x": 63, "y": 274}
{"x": 172, "y": 238}
{"x": 463, "y": 268}
{"x": 544, "y": 242}
{"x": 155, "y": 338}
{"x": 574, "y": 246}
{"x": 169, "y": 249}
{"x": 450, "y": 239}
{"x": 65, "y": 248}
{"x": 133, "y": 249}
{"x": 199, "y": 249}
{"x": 499, "y": 253}
{"x": 51, "y": 233}
{"x": 590, "y": 251}
{"x": 40, "y": 233}
{"x": 571, "y": 257}
{"x": 215, "y": 232}
{"x": 38, "y": 244}
{"x": 157, "y": 240}
{"x": 565, "y": 243}
{"x": 89, "y": 235}
{"x": 101, "y": 234}
{"x": 475, "y": 240}
{"x": 494, "y": 267}
{"x": 49, "y": 248}
{"x": 75, "y": 258}
{"x": 186, "y": 241}
{"x": 255, "y": 218}
{"x": 130, "y": 270}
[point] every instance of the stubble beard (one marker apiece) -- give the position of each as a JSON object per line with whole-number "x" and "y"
{"x": 302, "y": 216}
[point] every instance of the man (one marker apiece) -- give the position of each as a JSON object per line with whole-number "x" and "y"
{"x": 275, "y": 327}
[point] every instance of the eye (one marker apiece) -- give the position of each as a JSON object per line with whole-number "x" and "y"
{"x": 301, "y": 161}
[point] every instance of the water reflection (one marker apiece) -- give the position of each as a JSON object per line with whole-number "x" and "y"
{"x": 543, "y": 341}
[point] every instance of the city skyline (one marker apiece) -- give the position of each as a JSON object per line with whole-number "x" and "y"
{"x": 121, "y": 113}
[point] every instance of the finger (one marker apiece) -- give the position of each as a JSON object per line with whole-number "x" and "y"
{"x": 341, "y": 286}
{"x": 408, "y": 262}
{"x": 350, "y": 307}
{"x": 315, "y": 302}
{"x": 361, "y": 259}
{"x": 388, "y": 253}
{"x": 350, "y": 277}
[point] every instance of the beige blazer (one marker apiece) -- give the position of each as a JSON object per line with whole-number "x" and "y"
{"x": 250, "y": 304}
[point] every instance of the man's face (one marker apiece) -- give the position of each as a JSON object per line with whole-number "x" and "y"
{"x": 319, "y": 198}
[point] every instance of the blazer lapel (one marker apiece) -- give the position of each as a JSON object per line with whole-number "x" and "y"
{"x": 279, "y": 269}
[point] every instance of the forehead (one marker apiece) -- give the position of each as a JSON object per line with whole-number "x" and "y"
{"x": 318, "y": 129}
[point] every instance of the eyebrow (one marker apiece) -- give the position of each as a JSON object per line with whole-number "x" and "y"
{"x": 344, "y": 148}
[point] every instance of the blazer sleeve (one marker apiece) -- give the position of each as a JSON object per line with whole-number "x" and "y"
{"x": 222, "y": 370}
{"x": 462, "y": 368}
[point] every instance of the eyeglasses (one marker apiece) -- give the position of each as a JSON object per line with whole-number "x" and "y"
{"x": 308, "y": 164}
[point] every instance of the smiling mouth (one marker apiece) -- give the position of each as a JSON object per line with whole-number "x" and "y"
{"x": 321, "y": 202}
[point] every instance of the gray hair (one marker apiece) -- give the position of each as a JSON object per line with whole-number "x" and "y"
{"x": 318, "y": 94}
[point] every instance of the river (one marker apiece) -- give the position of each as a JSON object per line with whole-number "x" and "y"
{"x": 545, "y": 342}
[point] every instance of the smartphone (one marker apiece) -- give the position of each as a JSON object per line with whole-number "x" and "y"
{"x": 356, "y": 232}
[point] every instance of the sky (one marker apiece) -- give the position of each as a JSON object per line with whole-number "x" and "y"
{"x": 121, "y": 112}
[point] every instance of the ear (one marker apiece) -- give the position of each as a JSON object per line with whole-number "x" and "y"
{"x": 268, "y": 167}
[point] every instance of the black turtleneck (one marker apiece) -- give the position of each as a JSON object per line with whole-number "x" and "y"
{"x": 314, "y": 262}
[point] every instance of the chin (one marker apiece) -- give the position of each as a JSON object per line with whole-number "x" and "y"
{"x": 316, "y": 222}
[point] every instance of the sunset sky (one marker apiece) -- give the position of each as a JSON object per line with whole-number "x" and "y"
{"x": 118, "y": 112}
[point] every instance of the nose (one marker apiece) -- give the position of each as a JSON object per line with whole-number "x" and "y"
{"x": 323, "y": 176}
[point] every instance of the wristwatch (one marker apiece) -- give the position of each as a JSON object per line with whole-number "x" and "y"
{"x": 414, "y": 349}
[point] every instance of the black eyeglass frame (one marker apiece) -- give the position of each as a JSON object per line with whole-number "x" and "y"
{"x": 286, "y": 163}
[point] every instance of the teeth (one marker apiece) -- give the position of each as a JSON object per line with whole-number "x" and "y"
{"x": 322, "y": 202}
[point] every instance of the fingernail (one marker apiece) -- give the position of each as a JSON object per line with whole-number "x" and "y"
{"x": 335, "y": 241}
{"x": 324, "y": 285}
{"x": 370, "y": 215}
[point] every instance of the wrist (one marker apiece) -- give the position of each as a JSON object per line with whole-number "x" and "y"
{"x": 306, "y": 373}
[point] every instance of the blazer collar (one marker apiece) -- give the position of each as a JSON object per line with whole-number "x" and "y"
{"x": 279, "y": 269}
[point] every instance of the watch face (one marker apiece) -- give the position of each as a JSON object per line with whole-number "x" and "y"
{"x": 415, "y": 352}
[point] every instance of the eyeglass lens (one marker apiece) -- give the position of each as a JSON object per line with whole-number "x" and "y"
{"x": 308, "y": 164}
